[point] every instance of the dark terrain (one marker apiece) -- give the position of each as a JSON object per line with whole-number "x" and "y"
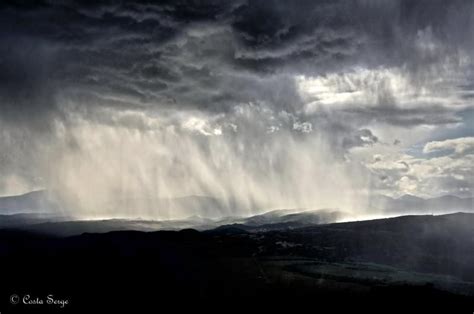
{"x": 425, "y": 260}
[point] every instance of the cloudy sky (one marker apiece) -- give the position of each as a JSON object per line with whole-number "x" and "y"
{"x": 259, "y": 103}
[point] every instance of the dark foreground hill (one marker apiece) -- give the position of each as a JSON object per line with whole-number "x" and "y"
{"x": 403, "y": 262}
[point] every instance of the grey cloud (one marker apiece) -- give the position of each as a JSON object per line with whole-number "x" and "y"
{"x": 408, "y": 117}
{"x": 361, "y": 137}
{"x": 142, "y": 50}
{"x": 27, "y": 94}
{"x": 456, "y": 147}
{"x": 437, "y": 175}
{"x": 144, "y": 54}
{"x": 147, "y": 66}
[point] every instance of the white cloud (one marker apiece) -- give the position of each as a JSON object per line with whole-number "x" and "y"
{"x": 463, "y": 145}
{"x": 359, "y": 85}
{"x": 202, "y": 126}
{"x": 397, "y": 174}
{"x": 392, "y": 95}
{"x": 304, "y": 127}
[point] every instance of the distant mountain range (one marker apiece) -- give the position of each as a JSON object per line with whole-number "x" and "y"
{"x": 409, "y": 204}
{"x": 38, "y": 212}
{"x": 148, "y": 208}
{"x": 207, "y": 207}
{"x": 32, "y": 202}
{"x": 282, "y": 219}
{"x": 67, "y": 226}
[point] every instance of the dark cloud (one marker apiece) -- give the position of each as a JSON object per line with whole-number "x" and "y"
{"x": 406, "y": 117}
{"x": 212, "y": 56}
{"x": 27, "y": 95}
{"x": 361, "y": 137}
{"x": 191, "y": 70}
{"x": 146, "y": 51}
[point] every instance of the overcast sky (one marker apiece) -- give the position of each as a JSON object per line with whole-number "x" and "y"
{"x": 267, "y": 103}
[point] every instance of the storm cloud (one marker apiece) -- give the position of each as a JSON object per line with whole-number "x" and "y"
{"x": 257, "y": 91}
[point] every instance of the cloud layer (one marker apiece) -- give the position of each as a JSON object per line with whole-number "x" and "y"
{"x": 256, "y": 102}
